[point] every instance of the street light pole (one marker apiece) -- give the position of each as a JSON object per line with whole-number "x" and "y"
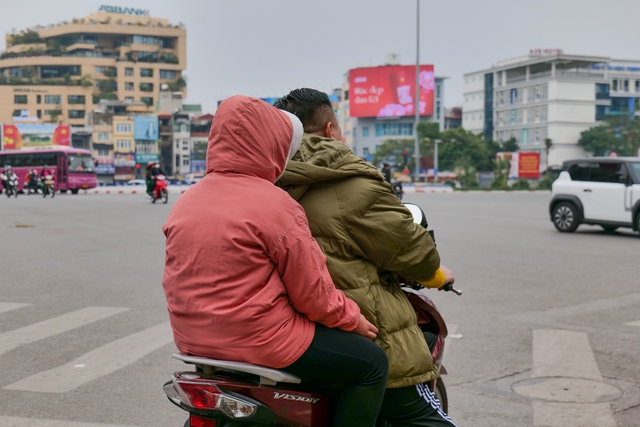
{"x": 416, "y": 148}
{"x": 435, "y": 159}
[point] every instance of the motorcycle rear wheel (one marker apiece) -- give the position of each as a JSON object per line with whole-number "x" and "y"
{"x": 441, "y": 393}
{"x": 53, "y": 193}
{"x": 164, "y": 196}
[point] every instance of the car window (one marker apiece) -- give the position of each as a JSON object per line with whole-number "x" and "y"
{"x": 579, "y": 172}
{"x": 635, "y": 167}
{"x": 605, "y": 172}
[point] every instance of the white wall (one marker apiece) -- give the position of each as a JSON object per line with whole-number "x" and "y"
{"x": 575, "y": 113}
{"x": 573, "y": 91}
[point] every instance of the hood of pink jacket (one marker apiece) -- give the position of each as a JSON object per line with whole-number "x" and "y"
{"x": 250, "y": 137}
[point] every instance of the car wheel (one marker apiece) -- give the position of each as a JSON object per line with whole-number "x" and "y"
{"x": 565, "y": 217}
{"x": 609, "y": 228}
{"x": 638, "y": 222}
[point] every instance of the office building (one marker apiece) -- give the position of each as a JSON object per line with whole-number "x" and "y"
{"x": 59, "y": 73}
{"x": 548, "y": 94}
{"x": 377, "y": 104}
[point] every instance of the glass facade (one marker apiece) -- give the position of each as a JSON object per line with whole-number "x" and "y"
{"x": 488, "y": 106}
{"x": 394, "y": 129}
{"x": 602, "y": 91}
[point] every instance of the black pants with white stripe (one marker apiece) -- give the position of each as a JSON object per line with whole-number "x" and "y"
{"x": 414, "y": 406}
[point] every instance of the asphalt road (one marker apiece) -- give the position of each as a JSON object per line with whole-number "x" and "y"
{"x": 545, "y": 334}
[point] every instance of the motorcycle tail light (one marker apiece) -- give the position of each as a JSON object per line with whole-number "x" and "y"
{"x": 202, "y": 394}
{"x": 195, "y": 421}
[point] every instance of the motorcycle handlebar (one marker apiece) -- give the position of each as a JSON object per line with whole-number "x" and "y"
{"x": 448, "y": 287}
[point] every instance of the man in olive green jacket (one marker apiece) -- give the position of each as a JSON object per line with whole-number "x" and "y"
{"x": 368, "y": 237}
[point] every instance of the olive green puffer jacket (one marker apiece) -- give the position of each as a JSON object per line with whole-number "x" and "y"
{"x": 368, "y": 236}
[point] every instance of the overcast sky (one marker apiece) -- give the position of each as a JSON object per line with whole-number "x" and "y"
{"x": 264, "y": 48}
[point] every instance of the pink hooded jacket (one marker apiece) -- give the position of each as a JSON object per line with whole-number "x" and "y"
{"x": 244, "y": 279}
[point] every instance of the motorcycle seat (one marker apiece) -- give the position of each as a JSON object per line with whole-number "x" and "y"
{"x": 268, "y": 376}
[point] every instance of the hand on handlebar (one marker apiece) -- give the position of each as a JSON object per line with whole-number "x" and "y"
{"x": 366, "y": 328}
{"x": 449, "y": 277}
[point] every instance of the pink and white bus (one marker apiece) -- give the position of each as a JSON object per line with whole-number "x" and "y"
{"x": 72, "y": 168}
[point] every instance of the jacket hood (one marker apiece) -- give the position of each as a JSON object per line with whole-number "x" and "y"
{"x": 322, "y": 159}
{"x": 250, "y": 137}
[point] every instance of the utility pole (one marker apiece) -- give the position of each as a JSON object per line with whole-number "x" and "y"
{"x": 416, "y": 148}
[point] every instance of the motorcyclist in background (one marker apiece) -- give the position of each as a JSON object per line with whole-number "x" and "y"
{"x": 7, "y": 176}
{"x": 153, "y": 174}
{"x": 151, "y": 184}
{"x": 45, "y": 171}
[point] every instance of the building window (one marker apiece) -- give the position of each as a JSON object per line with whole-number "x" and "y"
{"x": 185, "y": 145}
{"x": 166, "y": 43}
{"x": 39, "y": 99}
{"x": 625, "y": 85}
{"x": 146, "y": 87}
{"x": 19, "y": 99}
{"x": 145, "y": 40}
{"x": 103, "y": 136}
{"x": 76, "y": 114}
{"x": 146, "y": 72}
{"x": 76, "y": 99}
{"x": 53, "y": 112}
{"x": 146, "y": 100}
{"x": 365, "y": 151}
{"x": 128, "y": 99}
{"x": 103, "y": 152}
{"x": 438, "y": 110}
{"x": 602, "y": 91}
{"x": 394, "y": 129}
{"x": 128, "y": 72}
{"x": 602, "y": 111}
{"x": 53, "y": 99}
{"x": 147, "y": 56}
{"x": 123, "y": 127}
{"x": 107, "y": 71}
{"x": 167, "y": 74}
{"x": 59, "y": 71}
{"x": 128, "y": 85}
{"x": 365, "y": 131}
{"x": 637, "y": 85}
{"x": 614, "y": 84}
{"x": 438, "y": 91}
{"x": 185, "y": 161}
{"x": 124, "y": 144}
{"x": 39, "y": 114}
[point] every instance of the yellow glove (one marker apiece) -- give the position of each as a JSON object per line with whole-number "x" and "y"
{"x": 437, "y": 281}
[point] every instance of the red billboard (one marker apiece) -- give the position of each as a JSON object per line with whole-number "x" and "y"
{"x": 390, "y": 91}
{"x": 529, "y": 165}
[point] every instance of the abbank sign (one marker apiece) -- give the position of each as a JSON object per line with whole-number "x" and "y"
{"x": 389, "y": 91}
{"x": 124, "y": 10}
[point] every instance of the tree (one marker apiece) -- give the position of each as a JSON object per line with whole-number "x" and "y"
{"x": 600, "y": 140}
{"x": 510, "y": 146}
{"x": 462, "y": 149}
{"x": 501, "y": 169}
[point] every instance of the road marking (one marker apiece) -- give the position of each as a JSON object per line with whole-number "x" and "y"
{"x": 57, "y": 325}
{"x": 34, "y": 422}
{"x": 558, "y": 353}
{"x": 8, "y": 306}
{"x": 579, "y": 309}
{"x": 636, "y": 323}
{"x": 97, "y": 363}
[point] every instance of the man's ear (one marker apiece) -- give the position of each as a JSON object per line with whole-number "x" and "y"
{"x": 328, "y": 130}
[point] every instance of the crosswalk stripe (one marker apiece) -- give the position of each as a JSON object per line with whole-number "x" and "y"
{"x": 34, "y": 422}
{"x": 54, "y": 326}
{"x": 635, "y": 323}
{"x": 97, "y": 363}
{"x": 8, "y": 306}
{"x": 558, "y": 353}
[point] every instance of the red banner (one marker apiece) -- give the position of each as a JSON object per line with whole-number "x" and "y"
{"x": 529, "y": 165}
{"x": 390, "y": 91}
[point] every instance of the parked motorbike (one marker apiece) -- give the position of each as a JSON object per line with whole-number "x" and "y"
{"x": 222, "y": 393}
{"x": 10, "y": 185}
{"x": 160, "y": 192}
{"x": 48, "y": 187}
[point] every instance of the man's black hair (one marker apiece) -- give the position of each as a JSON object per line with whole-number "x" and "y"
{"x": 311, "y": 106}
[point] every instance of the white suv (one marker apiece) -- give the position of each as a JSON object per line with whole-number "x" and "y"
{"x": 601, "y": 190}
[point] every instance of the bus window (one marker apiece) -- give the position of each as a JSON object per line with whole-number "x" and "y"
{"x": 81, "y": 163}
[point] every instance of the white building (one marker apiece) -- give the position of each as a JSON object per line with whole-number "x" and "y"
{"x": 555, "y": 96}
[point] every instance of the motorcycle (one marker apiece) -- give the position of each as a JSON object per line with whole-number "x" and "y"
{"x": 10, "y": 185}
{"x": 47, "y": 187}
{"x": 222, "y": 393}
{"x": 160, "y": 191}
{"x": 33, "y": 187}
{"x": 397, "y": 189}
